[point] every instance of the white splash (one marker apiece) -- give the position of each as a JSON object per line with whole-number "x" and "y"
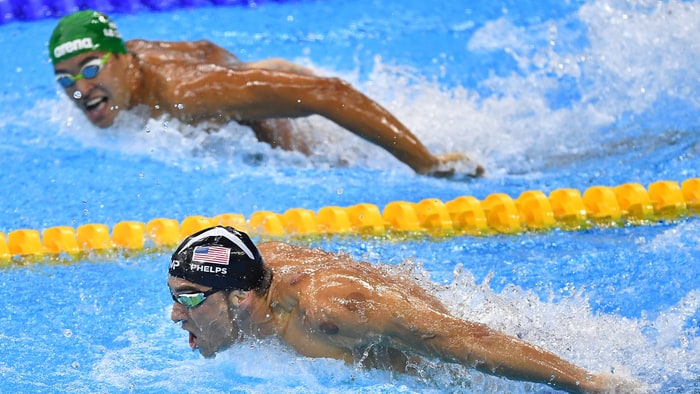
{"x": 577, "y": 81}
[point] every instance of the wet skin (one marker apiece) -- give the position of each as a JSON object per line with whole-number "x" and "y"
{"x": 199, "y": 81}
{"x": 102, "y": 97}
{"x": 212, "y": 324}
{"x": 328, "y": 305}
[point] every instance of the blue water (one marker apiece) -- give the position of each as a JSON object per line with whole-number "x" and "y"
{"x": 544, "y": 94}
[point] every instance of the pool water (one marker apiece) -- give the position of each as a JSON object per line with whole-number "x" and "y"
{"x": 545, "y": 95}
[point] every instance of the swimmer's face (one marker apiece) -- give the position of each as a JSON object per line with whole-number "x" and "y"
{"x": 212, "y": 324}
{"x": 101, "y": 97}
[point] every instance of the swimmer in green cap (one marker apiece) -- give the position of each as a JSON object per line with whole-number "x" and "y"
{"x": 226, "y": 289}
{"x": 199, "y": 81}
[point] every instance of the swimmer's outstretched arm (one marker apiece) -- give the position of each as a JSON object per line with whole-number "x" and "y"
{"x": 492, "y": 352}
{"x": 254, "y": 94}
{"x": 410, "y": 321}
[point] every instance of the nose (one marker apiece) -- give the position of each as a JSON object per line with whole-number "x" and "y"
{"x": 179, "y": 312}
{"x": 82, "y": 87}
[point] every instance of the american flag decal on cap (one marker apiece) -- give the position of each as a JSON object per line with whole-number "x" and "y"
{"x": 211, "y": 254}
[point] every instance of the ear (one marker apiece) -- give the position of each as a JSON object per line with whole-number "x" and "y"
{"x": 236, "y": 297}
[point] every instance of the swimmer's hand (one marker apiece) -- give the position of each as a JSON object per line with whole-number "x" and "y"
{"x": 456, "y": 165}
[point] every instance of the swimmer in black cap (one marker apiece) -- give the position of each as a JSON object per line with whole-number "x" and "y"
{"x": 201, "y": 82}
{"x": 327, "y": 305}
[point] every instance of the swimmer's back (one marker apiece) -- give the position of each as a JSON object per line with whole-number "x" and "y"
{"x": 319, "y": 271}
{"x": 186, "y": 52}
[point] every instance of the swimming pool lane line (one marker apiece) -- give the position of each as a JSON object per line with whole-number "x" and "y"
{"x": 29, "y": 10}
{"x": 498, "y": 213}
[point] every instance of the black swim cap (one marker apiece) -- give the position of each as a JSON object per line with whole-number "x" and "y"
{"x": 219, "y": 257}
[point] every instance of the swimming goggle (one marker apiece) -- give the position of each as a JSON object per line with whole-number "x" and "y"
{"x": 192, "y": 300}
{"x": 89, "y": 71}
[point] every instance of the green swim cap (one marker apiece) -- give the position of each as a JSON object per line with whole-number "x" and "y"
{"x": 84, "y": 31}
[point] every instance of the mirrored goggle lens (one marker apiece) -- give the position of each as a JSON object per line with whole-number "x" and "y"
{"x": 90, "y": 71}
{"x": 65, "y": 80}
{"x": 189, "y": 300}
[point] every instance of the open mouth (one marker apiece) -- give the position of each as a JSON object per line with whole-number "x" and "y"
{"x": 96, "y": 107}
{"x": 93, "y": 104}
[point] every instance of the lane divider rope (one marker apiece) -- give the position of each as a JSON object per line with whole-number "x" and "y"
{"x": 30, "y": 10}
{"x": 498, "y": 213}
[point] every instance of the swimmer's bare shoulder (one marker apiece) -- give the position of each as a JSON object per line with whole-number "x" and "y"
{"x": 278, "y": 254}
{"x": 183, "y": 52}
{"x": 339, "y": 276}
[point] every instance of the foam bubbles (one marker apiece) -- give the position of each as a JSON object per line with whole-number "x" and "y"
{"x": 577, "y": 81}
{"x": 649, "y": 351}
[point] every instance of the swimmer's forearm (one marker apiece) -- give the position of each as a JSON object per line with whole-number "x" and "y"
{"x": 491, "y": 352}
{"x": 517, "y": 360}
{"x": 339, "y": 102}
